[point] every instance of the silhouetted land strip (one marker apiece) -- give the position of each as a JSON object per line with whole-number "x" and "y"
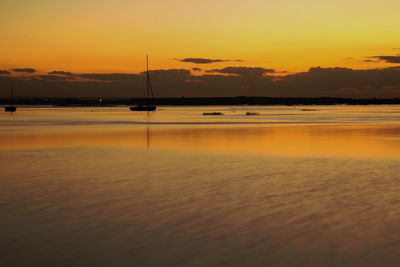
{"x": 199, "y": 101}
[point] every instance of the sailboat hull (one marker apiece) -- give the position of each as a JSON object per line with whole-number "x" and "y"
{"x": 143, "y": 108}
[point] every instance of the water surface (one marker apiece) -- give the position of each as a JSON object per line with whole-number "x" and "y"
{"x": 303, "y": 186}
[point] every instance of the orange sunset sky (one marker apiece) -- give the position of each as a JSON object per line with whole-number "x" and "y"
{"x": 113, "y": 36}
{"x": 289, "y": 36}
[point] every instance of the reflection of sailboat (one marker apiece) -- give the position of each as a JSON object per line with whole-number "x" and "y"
{"x": 148, "y": 130}
{"x": 149, "y": 90}
{"x": 148, "y": 137}
{"x": 11, "y": 108}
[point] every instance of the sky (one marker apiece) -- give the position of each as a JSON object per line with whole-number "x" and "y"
{"x": 290, "y": 37}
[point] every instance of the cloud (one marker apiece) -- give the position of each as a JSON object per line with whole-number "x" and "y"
{"x": 65, "y": 73}
{"x": 206, "y": 60}
{"x": 343, "y": 82}
{"x": 388, "y": 59}
{"x": 200, "y": 60}
{"x": 107, "y": 76}
{"x": 242, "y": 71}
{"x": 170, "y": 73}
{"x": 196, "y": 69}
{"x": 51, "y": 77}
{"x": 225, "y": 82}
{"x": 4, "y": 72}
{"x": 25, "y": 70}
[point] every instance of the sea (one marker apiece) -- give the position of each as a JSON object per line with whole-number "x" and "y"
{"x": 282, "y": 186}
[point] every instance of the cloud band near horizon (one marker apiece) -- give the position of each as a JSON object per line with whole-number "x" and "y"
{"x": 229, "y": 81}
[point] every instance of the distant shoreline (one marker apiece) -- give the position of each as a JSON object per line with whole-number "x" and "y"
{"x": 199, "y": 101}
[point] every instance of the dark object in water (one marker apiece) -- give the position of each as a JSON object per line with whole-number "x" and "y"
{"x": 149, "y": 90}
{"x": 10, "y": 109}
{"x": 252, "y": 113}
{"x": 213, "y": 113}
{"x": 143, "y": 108}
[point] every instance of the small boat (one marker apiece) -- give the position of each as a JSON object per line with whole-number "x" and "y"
{"x": 143, "y": 108}
{"x": 11, "y": 108}
{"x": 149, "y": 91}
{"x": 212, "y": 113}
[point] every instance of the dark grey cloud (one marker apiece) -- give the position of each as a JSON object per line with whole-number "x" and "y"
{"x": 4, "y": 72}
{"x": 343, "y": 82}
{"x": 242, "y": 71}
{"x": 25, "y": 70}
{"x": 197, "y": 60}
{"x": 240, "y": 81}
{"x": 170, "y": 73}
{"x": 388, "y": 59}
{"x": 107, "y": 76}
{"x": 196, "y": 69}
{"x": 200, "y": 60}
{"x": 60, "y": 72}
{"x": 51, "y": 77}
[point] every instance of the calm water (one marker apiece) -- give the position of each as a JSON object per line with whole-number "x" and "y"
{"x": 303, "y": 186}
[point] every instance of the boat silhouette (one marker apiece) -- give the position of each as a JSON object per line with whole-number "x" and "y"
{"x": 11, "y": 108}
{"x": 149, "y": 91}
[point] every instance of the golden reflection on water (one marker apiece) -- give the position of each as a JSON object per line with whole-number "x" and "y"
{"x": 329, "y": 198}
{"x": 357, "y": 141}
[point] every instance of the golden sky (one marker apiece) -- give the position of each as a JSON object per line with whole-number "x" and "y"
{"x": 114, "y": 36}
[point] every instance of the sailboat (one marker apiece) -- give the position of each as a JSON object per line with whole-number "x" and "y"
{"x": 11, "y": 108}
{"x": 149, "y": 90}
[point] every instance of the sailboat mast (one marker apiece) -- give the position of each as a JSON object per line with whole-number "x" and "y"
{"x": 146, "y": 102}
{"x": 149, "y": 87}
